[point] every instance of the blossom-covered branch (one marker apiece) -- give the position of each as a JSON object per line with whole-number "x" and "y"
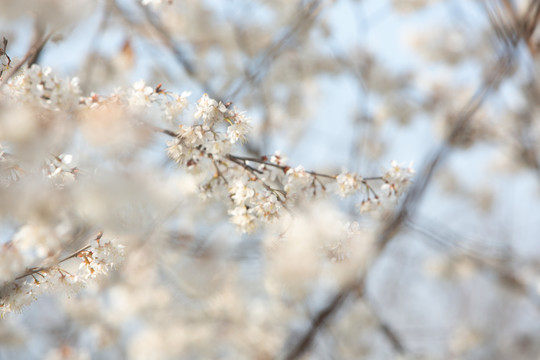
{"x": 97, "y": 258}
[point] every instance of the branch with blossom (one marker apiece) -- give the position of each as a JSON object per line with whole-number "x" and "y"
{"x": 96, "y": 259}
{"x": 255, "y": 190}
{"x": 259, "y": 187}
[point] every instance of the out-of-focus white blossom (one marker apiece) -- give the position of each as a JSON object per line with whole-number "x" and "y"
{"x": 256, "y": 191}
{"x": 96, "y": 259}
{"x": 174, "y": 105}
{"x": 155, "y": 4}
{"x": 369, "y": 205}
{"x": 209, "y": 110}
{"x": 12, "y": 263}
{"x": 243, "y": 218}
{"x": 397, "y": 179}
{"x": 258, "y": 188}
{"x": 36, "y": 240}
{"x": 298, "y": 180}
{"x": 141, "y": 95}
{"x": 239, "y": 126}
{"x": 46, "y": 87}
{"x": 279, "y": 159}
{"x": 241, "y": 192}
{"x": 348, "y": 183}
{"x": 102, "y": 256}
{"x": 58, "y": 171}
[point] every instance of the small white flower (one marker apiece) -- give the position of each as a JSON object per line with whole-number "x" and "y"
{"x": 397, "y": 179}
{"x": 241, "y": 217}
{"x": 240, "y": 192}
{"x": 369, "y": 205}
{"x": 207, "y": 109}
{"x": 348, "y": 183}
{"x": 66, "y": 158}
{"x": 298, "y": 180}
{"x": 176, "y": 107}
{"x": 278, "y": 158}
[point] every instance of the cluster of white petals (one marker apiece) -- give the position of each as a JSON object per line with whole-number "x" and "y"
{"x": 101, "y": 257}
{"x": 60, "y": 170}
{"x": 43, "y": 85}
{"x": 397, "y": 179}
{"x": 253, "y": 204}
{"x": 348, "y": 183}
{"x": 171, "y": 105}
{"x": 258, "y": 188}
{"x": 298, "y": 181}
{"x": 95, "y": 259}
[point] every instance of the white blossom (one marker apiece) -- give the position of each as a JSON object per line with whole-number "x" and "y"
{"x": 209, "y": 110}
{"x": 243, "y": 218}
{"x": 42, "y": 84}
{"x": 348, "y": 183}
{"x": 298, "y": 180}
{"x": 397, "y": 179}
{"x": 175, "y": 107}
{"x": 141, "y": 95}
{"x": 239, "y": 127}
{"x": 278, "y": 158}
{"x": 241, "y": 192}
{"x": 369, "y": 205}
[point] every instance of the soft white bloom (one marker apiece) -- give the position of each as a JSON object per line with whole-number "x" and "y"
{"x": 298, "y": 180}
{"x": 175, "y": 107}
{"x": 66, "y": 158}
{"x": 239, "y": 127}
{"x": 240, "y": 192}
{"x": 155, "y": 4}
{"x": 397, "y": 179}
{"x": 279, "y": 159}
{"x": 11, "y": 262}
{"x": 238, "y": 131}
{"x": 268, "y": 207}
{"x": 176, "y": 151}
{"x": 59, "y": 172}
{"x": 209, "y": 110}
{"x": 348, "y": 183}
{"x": 243, "y": 218}
{"x": 36, "y": 240}
{"x": 64, "y": 282}
{"x": 369, "y": 205}
{"x": 43, "y": 84}
{"x": 16, "y": 297}
{"x": 101, "y": 257}
{"x": 108, "y": 252}
{"x": 141, "y": 95}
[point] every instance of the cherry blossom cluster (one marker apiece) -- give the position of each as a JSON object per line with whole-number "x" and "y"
{"x": 42, "y": 85}
{"x": 256, "y": 189}
{"x": 96, "y": 259}
{"x": 60, "y": 171}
